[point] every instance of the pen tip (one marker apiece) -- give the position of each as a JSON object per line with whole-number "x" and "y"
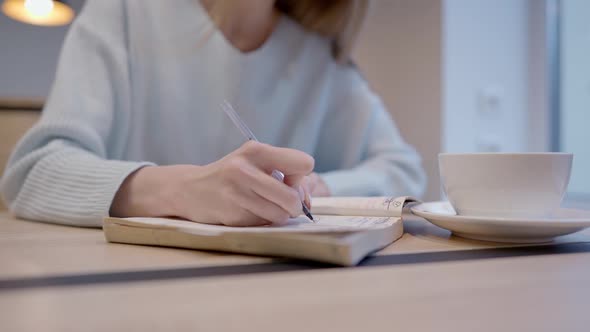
{"x": 306, "y": 212}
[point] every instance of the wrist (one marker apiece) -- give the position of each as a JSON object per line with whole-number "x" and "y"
{"x": 147, "y": 192}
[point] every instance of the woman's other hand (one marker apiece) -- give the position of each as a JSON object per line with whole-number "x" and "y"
{"x": 314, "y": 186}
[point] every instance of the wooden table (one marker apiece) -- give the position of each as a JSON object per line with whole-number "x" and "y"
{"x": 58, "y": 278}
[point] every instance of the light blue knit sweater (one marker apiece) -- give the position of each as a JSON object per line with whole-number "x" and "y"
{"x": 138, "y": 84}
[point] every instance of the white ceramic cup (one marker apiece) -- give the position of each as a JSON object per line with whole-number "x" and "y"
{"x": 521, "y": 185}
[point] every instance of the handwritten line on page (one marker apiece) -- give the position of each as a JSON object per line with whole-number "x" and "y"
{"x": 361, "y": 206}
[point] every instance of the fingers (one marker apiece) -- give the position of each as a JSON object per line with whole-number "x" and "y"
{"x": 289, "y": 161}
{"x": 276, "y": 192}
{"x": 306, "y": 188}
{"x": 257, "y": 196}
{"x": 255, "y": 210}
{"x": 294, "y": 181}
{"x": 306, "y": 193}
{"x": 294, "y": 164}
{"x": 245, "y": 218}
{"x": 264, "y": 209}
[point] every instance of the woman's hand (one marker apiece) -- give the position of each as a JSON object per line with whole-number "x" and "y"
{"x": 313, "y": 185}
{"x": 236, "y": 190}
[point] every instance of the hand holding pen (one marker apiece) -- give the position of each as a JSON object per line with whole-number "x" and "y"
{"x": 241, "y": 125}
{"x": 235, "y": 190}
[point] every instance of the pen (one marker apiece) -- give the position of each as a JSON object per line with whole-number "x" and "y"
{"x": 235, "y": 118}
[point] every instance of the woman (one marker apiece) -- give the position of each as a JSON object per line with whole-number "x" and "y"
{"x": 133, "y": 125}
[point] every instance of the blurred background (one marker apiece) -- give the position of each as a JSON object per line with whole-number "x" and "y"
{"x": 457, "y": 75}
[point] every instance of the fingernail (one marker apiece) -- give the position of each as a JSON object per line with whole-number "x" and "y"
{"x": 308, "y": 201}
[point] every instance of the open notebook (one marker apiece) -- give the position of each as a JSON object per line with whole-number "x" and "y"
{"x": 347, "y": 230}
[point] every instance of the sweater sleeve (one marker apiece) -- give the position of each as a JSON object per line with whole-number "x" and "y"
{"x": 363, "y": 147}
{"x": 64, "y": 170}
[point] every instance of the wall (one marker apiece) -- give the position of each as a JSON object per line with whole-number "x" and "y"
{"x": 28, "y": 55}
{"x": 13, "y": 123}
{"x": 399, "y": 52}
{"x": 485, "y": 73}
{"x": 575, "y": 90}
{"x": 539, "y": 118}
{"x": 455, "y": 74}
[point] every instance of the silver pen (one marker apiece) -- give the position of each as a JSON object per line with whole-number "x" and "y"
{"x": 235, "y": 118}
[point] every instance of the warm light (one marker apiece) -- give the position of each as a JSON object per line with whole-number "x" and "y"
{"x": 39, "y": 8}
{"x": 39, "y": 12}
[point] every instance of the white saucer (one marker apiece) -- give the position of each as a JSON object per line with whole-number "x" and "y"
{"x": 514, "y": 230}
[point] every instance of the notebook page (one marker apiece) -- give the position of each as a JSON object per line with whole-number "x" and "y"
{"x": 360, "y": 206}
{"x": 323, "y": 224}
